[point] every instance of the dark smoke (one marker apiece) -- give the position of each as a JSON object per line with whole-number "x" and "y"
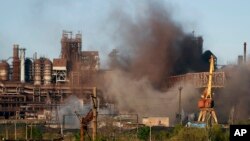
{"x": 150, "y": 48}
{"x": 235, "y": 94}
{"x": 152, "y": 45}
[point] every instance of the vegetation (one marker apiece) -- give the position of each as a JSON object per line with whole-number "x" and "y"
{"x": 143, "y": 133}
{"x": 243, "y": 122}
{"x": 178, "y": 133}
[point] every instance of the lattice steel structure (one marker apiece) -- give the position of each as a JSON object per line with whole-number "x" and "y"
{"x": 199, "y": 80}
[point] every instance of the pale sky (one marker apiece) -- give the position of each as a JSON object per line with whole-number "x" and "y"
{"x": 37, "y": 24}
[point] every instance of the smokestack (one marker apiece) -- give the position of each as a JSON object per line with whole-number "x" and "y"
{"x": 16, "y": 63}
{"x": 16, "y": 51}
{"x": 22, "y": 65}
{"x": 245, "y": 51}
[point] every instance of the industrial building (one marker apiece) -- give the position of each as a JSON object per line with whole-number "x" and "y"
{"x": 30, "y": 87}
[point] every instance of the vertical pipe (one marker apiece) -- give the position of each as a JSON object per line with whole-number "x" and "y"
{"x": 245, "y": 51}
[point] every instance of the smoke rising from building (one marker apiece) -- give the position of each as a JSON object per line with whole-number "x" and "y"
{"x": 139, "y": 96}
{"x": 72, "y": 104}
{"x": 151, "y": 47}
{"x": 235, "y": 94}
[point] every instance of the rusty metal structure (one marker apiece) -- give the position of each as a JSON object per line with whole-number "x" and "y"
{"x": 16, "y": 63}
{"x": 91, "y": 116}
{"x": 199, "y": 79}
{"x": 29, "y": 87}
{"x": 84, "y": 121}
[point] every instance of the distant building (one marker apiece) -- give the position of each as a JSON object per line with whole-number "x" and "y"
{"x": 156, "y": 121}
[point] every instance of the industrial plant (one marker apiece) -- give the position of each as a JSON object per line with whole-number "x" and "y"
{"x": 33, "y": 89}
{"x": 30, "y": 86}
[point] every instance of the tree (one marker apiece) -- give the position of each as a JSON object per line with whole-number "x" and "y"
{"x": 143, "y": 133}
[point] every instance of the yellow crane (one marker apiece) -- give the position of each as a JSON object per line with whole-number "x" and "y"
{"x": 206, "y": 103}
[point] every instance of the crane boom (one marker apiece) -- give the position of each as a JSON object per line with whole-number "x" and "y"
{"x": 206, "y": 103}
{"x": 210, "y": 77}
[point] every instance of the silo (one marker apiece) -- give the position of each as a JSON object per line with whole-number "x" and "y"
{"x": 4, "y": 71}
{"x": 47, "y": 71}
{"x": 37, "y": 69}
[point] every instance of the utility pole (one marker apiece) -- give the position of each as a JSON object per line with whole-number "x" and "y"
{"x": 31, "y": 135}
{"x": 6, "y": 131}
{"x": 180, "y": 116}
{"x": 94, "y": 99}
{"x": 15, "y": 129}
{"x": 26, "y": 131}
{"x": 150, "y": 136}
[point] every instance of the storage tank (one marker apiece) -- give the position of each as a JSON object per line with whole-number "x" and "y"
{"x": 4, "y": 71}
{"x": 37, "y": 69}
{"x": 47, "y": 71}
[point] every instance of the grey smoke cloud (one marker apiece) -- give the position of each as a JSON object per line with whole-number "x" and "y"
{"x": 235, "y": 94}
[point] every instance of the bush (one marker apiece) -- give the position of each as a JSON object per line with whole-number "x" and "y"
{"x": 192, "y": 134}
{"x": 143, "y": 133}
{"x": 162, "y": 136}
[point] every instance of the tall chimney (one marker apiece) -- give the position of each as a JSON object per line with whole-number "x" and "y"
{"x": 16, "y": 63}
{"x": 22, "y": 65}
{"x": 245, "y": 51}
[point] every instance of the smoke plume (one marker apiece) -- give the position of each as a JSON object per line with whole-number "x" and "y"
{"x": 235, "y": 94}
{"x": 139, "y": 96}
{"x": 152, "y": 45}
{"x": 150, "y": 48}
{"x": 72, "y": 104}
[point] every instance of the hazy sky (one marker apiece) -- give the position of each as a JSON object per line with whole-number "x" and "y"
{"x": 37, "y": 24}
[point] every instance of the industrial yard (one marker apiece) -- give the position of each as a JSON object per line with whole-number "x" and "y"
{"x": 152, "y": 80}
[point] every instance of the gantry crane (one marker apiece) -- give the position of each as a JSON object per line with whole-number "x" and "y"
{"x": 84, "y": 121}
{"x": 206, "y": 103}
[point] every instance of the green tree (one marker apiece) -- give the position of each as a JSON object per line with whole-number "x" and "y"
{"x": 143, "y": 133}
